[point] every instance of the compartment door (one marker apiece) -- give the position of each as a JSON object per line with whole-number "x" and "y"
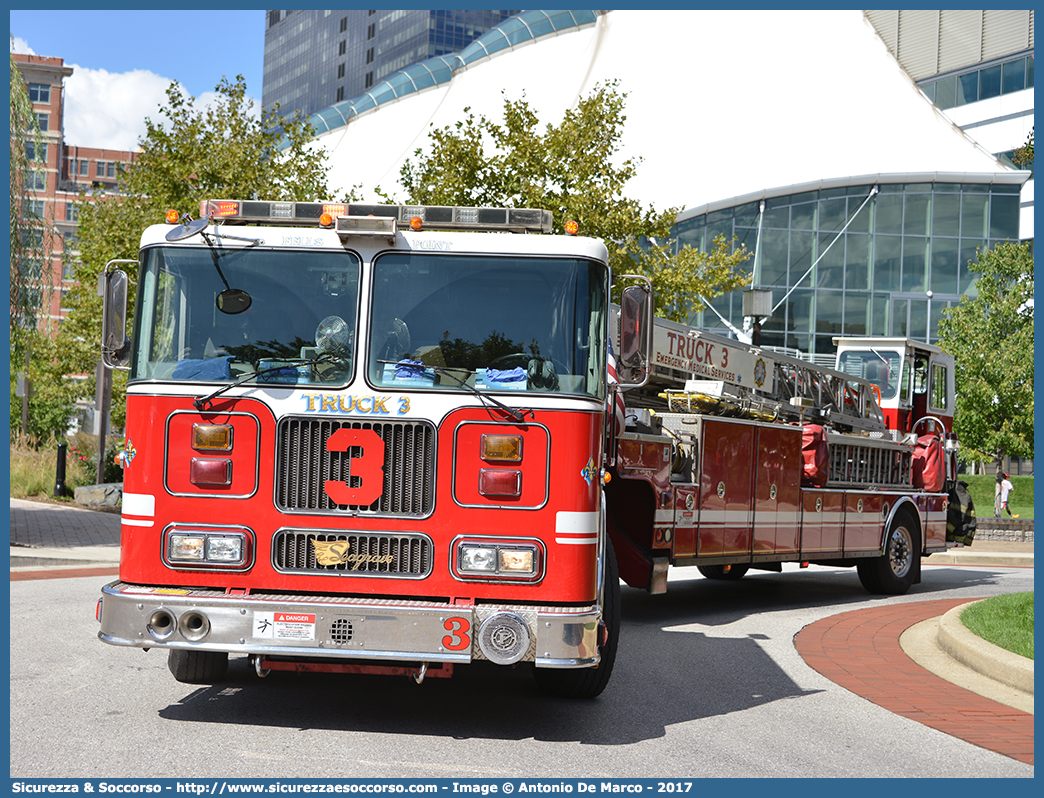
{"x": 726, "y": 488}
{"x": 777, "y": 493}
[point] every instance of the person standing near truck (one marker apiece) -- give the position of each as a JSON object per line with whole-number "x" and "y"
{"x": 1005, "y": 489}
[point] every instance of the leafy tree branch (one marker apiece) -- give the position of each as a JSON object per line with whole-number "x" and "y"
{"x": 576, "y": 170}
{"x": 990, "y": 336}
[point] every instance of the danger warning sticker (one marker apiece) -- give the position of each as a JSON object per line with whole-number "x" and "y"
{"x": 284, "y": 625}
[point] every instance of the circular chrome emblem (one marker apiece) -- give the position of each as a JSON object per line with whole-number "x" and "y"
{"x": 690, "y": 501}
{"x": 819, "y": 504}
{"x": 859, "y": 506}
{"x": 504, "y": 638}
{"x": 772, "y": 491}
{"x": 721, "y": 490}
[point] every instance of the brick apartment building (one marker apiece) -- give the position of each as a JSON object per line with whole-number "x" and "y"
{"x": 62, "y": 173}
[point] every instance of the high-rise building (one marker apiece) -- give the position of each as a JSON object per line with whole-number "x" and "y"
{"x": 61, "y": 172}
{"x": 314, "y": 59}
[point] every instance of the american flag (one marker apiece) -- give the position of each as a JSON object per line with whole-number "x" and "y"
{"x": 618, "y": 411}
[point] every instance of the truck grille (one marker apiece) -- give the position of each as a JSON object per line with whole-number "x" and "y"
{"x": 402, "y": 554}
{"x": 303, "y": 465}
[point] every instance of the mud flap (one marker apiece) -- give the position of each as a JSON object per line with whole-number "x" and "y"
{"x": 960, "y": 515}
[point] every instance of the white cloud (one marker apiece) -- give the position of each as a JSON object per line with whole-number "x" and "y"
{"x": 108, "y": 110}
{"x": 21, "y": 46}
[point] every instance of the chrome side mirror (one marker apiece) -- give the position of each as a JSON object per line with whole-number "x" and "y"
{"x": 636, "y": 333}
{"x": 115, "y": 347}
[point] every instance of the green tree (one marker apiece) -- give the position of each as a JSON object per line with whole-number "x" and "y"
{"x": 1024, "y": 155}
{"x": 53, "y": 398}
{"x": 991, "y": 338}
{"x": 223, "y": 150}
{"x": 32, "y": 245}
{"x": 31, "y": 234}
{"x": 574, "y": 169}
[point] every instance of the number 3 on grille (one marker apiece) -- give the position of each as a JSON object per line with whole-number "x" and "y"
{"x": 458, "y": 639}
{"x": 367, "y": 467}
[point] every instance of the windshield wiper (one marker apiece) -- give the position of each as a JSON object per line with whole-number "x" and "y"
{"x": 881, "y": 357}
{"x": 204, "y": 400}
{"x": 518, "y": 414}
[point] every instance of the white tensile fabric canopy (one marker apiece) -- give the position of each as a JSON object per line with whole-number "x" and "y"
{"x": 720, "y": 104}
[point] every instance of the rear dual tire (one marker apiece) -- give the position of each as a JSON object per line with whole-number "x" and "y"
{"x": 893, "y": 573}
{"x": 723, "y": 573}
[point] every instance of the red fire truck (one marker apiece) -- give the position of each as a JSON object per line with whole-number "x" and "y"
{"x": 760, "y": 459}
{"x": 385, "y": 439}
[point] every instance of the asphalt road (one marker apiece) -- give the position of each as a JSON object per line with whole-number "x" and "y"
{"x": 707, "y": 684}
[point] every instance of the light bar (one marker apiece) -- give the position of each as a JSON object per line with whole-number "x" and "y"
{"x": 431, "y": 217}
{"x": 448, "y": 217}
{"x": 242, "y": 211}
{"x": 366, "y": 226}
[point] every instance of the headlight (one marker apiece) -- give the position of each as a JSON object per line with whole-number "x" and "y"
{"x": 481, "y": 559}
{"x": 517, "y": 560}
{"x": 186, "y": 548}
{"x": 202, "y": 548}
{"x": 225, "y": 549}
{"x": 501, "y": 559}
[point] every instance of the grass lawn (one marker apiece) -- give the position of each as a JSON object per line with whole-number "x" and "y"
{"x": 982, "y": 487}
{"x": 1005, "y": 621}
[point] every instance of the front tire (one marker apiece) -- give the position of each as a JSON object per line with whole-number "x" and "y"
{"x": 197, "y": 667}
{"x": 894, "y": 572}
{"x": 590, "y": 682}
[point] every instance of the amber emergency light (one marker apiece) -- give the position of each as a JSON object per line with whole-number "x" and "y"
{"x": 212, "y": 437}
{"x": 501, "y": 448}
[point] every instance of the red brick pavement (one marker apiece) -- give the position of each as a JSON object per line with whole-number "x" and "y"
{"x": 860, "y": 651}
{"x": 63, "y": 573}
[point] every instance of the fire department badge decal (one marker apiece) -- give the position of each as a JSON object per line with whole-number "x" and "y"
{"x": 124, "y": 457}
{"x": 588, "y": 471}
{"x": 759, "y": 372}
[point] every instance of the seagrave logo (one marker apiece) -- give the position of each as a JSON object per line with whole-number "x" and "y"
{"x": 337, "y": 552}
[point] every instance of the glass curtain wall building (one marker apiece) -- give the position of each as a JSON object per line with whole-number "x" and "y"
{"x": 843, "y": 261}
{"x": 1004, "y": 76}
{"x": 314, "y": 59}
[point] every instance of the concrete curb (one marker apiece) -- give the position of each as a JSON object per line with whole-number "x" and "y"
{"x": 982, "y": 656}
{"x": 41, "y": 558}
{"x": 921, "y": 644}
{"x": 966, "y": 557}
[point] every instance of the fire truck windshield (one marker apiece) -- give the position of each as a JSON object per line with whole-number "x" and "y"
{"x": 495, "y": 323}
{"x": 879, "y": 366}
{"x": 299, "y": 326}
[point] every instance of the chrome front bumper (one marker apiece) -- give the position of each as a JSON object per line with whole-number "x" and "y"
{"x": 337, "y": 627}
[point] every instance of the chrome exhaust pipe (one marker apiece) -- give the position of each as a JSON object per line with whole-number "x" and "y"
{"x": 194, "y": 625}
{"x": 161, "y": 624}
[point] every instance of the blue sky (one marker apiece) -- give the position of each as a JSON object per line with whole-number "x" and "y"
{"x": 125, "y": 60}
